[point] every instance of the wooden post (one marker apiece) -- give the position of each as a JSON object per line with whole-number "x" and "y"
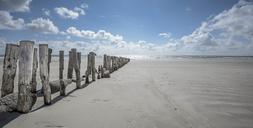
{"x": 76, "y": 67}
{"x": 108, "y": 63}
{"x": 49, "y": 60}
{"x": 9, "y": 69}
{"x": 44, "y": 72}
{"x": 34, "y": 74}
{"x": 70, "y": 66}
{"x": 88, "y": 71}
{"x": 25, "y": 76}
{"x": 61, "y": 68}
{"x": 34, "y": 71}
{"x": 93, "y": 69}
{"x": 105, "y": 61}
{"x": 79, "y": 56}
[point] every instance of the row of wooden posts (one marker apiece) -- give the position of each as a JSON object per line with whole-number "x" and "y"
{"x": 26, "y": 55}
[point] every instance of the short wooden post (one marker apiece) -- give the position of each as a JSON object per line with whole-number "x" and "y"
{"x": 61, "y": 68}
{"x": 9, "y": 69}
{"x": 25, "y": 76}
{"x": 44, "y": 72}
{"x": 70, "y": 66}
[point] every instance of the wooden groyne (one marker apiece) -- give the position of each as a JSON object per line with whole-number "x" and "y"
{"x": 30, "y": 58}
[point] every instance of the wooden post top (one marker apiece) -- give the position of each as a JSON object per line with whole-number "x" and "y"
{"x": 26, "y": 41}
{"x": 43, "y": 44}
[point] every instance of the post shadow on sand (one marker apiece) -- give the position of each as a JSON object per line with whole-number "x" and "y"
{"x": 7, "y": 117}
{"x": 58, "y": 98}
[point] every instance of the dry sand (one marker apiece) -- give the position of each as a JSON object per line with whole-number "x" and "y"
{"x": 183, "y": 93}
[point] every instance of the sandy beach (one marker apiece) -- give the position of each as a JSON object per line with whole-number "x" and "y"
{"x": 171, "y": 93}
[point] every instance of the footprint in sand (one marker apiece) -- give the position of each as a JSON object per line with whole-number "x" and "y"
{"x": 131, "y": 124}
{"x": 99, "y": 100}
{"x": 48, "y": 125}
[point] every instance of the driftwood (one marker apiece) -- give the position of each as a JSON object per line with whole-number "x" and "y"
{"x": 10, "y": 101}
{"x": 44, "y": 72}
{"x": 105, "y": 73}
{"x": 56, "y": 85}
{"x": 25, "y": 76}
{"x": 9, "y": 69}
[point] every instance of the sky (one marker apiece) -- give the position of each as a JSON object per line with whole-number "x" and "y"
{"x": 131, "y": 27}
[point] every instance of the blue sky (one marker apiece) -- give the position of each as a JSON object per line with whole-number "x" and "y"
{"x": 132, "y": 26}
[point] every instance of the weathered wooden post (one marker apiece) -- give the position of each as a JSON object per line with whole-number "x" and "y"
{"x": 105, "y": 61}
{"x": 34, "y": 71}
{"x": 76, "y": 67}
{"x": 49, "y": 60}
{"x": 88, "y": 71}
{"x": 70, "y": 66}
{"x": 44, "y": 72}
{"x": 99, "y": 72}
{"x": 61, "y": 68}
{"x": 25, "y": 76}
{"x": 79, "y": 57}
{"x": 34, "y": 74}
{"x": 9, "y": 69}
{"x": 93, "y": 69}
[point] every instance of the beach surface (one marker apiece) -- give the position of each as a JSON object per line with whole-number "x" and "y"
{"x": 171, "y": 93}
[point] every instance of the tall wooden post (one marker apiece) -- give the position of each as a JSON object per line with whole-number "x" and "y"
{"x": 88, "y": 71}
{"x": 34, "y": 74}
{"x": 25, "y": 76}
{"x": 70, "y": 66}
{"x": 49, "y": 60}
{"x": 105, "y": 61}
{"x": 93, "y": 69}
{"x": 76, "y": 67}
{"x": 44, "y": 72}
{"x": 61, "y": 68}
{"x": 9, "y": 69}
{"x": 34, "y": 71}
{"x": 79, "y": 56}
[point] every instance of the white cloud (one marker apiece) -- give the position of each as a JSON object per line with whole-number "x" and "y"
{"x": 46, "y": 11}
{"x": 79, "y": 10}
{"x": 43, "y": 25}
{"x": 84, "y": 6}
{"x": 66, "y": 13}
{"x": 15, "y": 5}
{"x": 71, "y": 14}
{"x": 230, "y": 31}
{"x": 165, "y": 35}
{"x": 100, "y": 35}
{"x": 8, "y": 22}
